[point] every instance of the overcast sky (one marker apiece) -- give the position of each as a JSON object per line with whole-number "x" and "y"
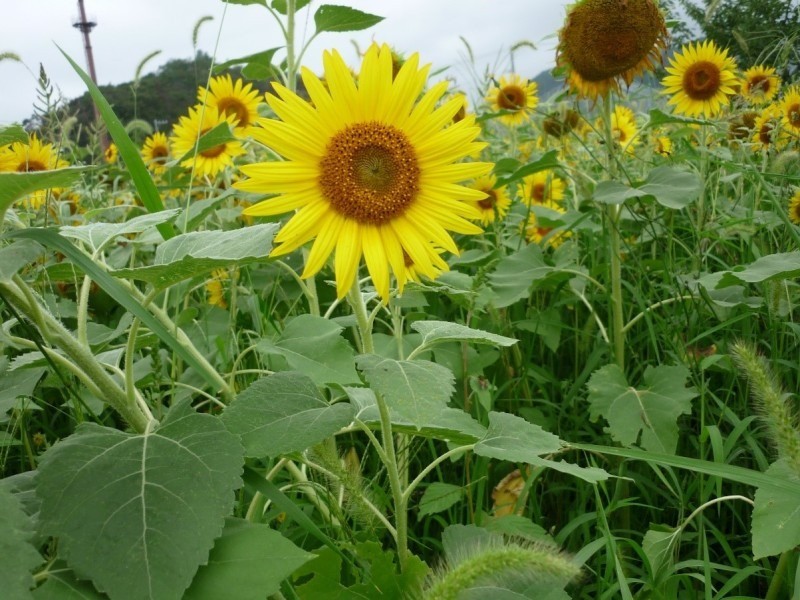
{"x": 127, "y": 31}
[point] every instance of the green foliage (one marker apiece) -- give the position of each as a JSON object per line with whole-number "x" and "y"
{"x": 647, "y": 416}
{"x": 776, "y": 520}
{"x": 330, "y": 17}
{"x": 19, "y": 555}
{"x": 111, "y": 498}
{"x": 671, "y": 187}
{"x": 439, "y": 497}
{"x": 14, "y": 186}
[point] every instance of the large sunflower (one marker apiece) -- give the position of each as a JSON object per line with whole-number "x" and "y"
{"x": 155, "y": 152}
{"x": 701, "y": 79}
{"x": 760, "y": 84}
{"x": 605, "y": 41}
{"x": 233, "y": 98}
{"x": 515, "y": 96}
{"x": 370, "y": 169}
{"x": 790, "y": 109}
{"x": 185, "y": 134}
{"x": 30, "y": 157}
{"x": 495, "y": 205}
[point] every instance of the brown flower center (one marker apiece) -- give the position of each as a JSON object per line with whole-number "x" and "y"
{"x": 30, "y": 166}
{"x": 511, "y": 97}
{"x": 233, "y": 106}
{"x": 701, "y": 80}
{"x": 370, "y": 173}
{"x": 159, "y": 153}
{"x": 214, "y": 151}
{"x": 537, "y": 192}
{"x": 759, "y": 84}
{"x": 490, "y": 200}
{"x": 765, "y": 133}
{"x": 793, "y": 114}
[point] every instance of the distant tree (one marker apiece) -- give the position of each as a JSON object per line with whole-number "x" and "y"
{"x": 754, "y": 31}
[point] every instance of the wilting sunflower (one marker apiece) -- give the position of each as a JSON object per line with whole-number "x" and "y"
{"x": 370, "y": 169}
{"x": 231, "y": 98}
{"x": 794, "y": 208}
{"x": 30, "y": 157}
{"x": 701, "y": 79}
{"x": 515, "y": 96}
{"x": 111, "y": 154}
{"x": 605, "y": 41}
{"x": 185, "y": 134}
{"x": 495, "y": 205}
{"x": 760, "y": 84}
{"x": 155, "y": 152}
{"x": 543, "y": 188}
{"x": 790, "y": 109}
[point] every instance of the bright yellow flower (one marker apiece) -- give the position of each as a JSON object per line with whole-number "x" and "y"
{"x": 231, "y": 98}
{"x": 760, "y": 84}
{"x": 372, "y": 169}
{"x": 663, "y": 145}
{"x": 543, "y": 188}
{"x": 30, "y": 157}
{"x": 623, "y": 127}
{"x": 536, "y": 232}
{"x": 185, "y": 134}
{"x": 111, "y": 153}
{"x": 495, "y": 205}
{"x": 701, "y": 79}
{"x": 790, "y": 109}
{"x": 767, "y": 132}
{"x": 155, "y": 152}
{"x": 215, "y": 288}
{"x": 515, "y": 96}
{"x": 794, "y": 208}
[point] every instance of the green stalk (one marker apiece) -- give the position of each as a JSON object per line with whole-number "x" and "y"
{"x": 774, "y": 591}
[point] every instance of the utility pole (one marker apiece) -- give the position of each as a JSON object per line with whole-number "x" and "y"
{"x": 85, "y": 26}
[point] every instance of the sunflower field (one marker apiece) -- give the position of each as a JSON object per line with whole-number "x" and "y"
{"x": 369, "y": 335}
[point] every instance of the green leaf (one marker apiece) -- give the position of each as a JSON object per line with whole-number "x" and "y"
{"x": 516, "y": 274}
{"x": 513, "y": 438}
{"x": 280, "y": 5}
{"x": 314, "y": 345}
{"x": 418, "y": 390}
{"x": 248, "y": 562}
{"x": 262, "y": 59}
{"x": 385, "y": 580}
{"x": 614, "y": 192}
{"x": 217, "y": 136}
{"x": 16, "y": 256}
{"x": 785, "y": 265}
{"x": 14, "y": 186}
{"x": 62, "y": 584}
{"x": 658, "y": 118}
{"x": 197, "y": 253}
{"x": 651, "y": 412}
{"x": 549, "y": 160}
{"x": 139, "y": 513}
{"x": 19, "y": 555}
{"x": 247, "y": 2}
{"x": 439, "y": 497}
{"x": 127, "y": 150}
{"x": 776, "y": 514}
{"x": 13, "y": 133}
{"x": 330, "y": 17}
{"x": 16, "y": 384}
{"x": 97, "y": 235}
{"x": 444, "y": 331}
{"x": 284, "y": 413}
{"x": 659, "y": 546}
{"x": 670, "y": 186}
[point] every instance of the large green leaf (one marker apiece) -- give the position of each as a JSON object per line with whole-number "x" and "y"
{"x": 98, "y": 235}
{"x": 248, "y": 562}
{"x": 19, "y": 555}
{"x": 15, "y": 256}
{"x": 438, "y": 497}
{"x": 13, "y": 133}
{"x": 517, "y": 273}
{"x": 191, "y": 254}
{"x": 417, "y": 390}
{"x": 549, "y": 160}
{"x": 315, "y": 346}
{"x": 284, "y": 413}
{"x": 139, "y": 513}
{"x": 127, "y": 150}
{"x": 785, "y": 265}
{"x": 15, "y": 384}
{"x": 61, "y": 584}
{"x": 776, "y": 514}
{"x": 444, "y": 331}
{"x": 330, "y": 17}
{"x": 651, "y": 412}
{"x": 14, "y": 186}
{"x": 670, "y": 186}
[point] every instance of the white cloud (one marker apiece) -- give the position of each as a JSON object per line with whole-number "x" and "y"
{"x": 126, "y": 32}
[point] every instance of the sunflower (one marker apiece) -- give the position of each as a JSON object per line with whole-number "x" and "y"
{"x": 215, "y": 288}
{"x": 767, "y": 131}
{"x": 623, "y": 127}
{"x": 412, "y": 273}
{"x": 559, "y": 124}
{"x": 370, "y": 169}
{"x": 111, "y": 154}
{"x": 155, "y": 152}
{"x": 701, "y": 79}
{"x": 760, "y": 84}
{"x": 543, "y": 188}
{"x": 605, "y": 41}
{"x": 794, "y": 208}
{"x": 189, "y": 129}
{"x": 495, "y": 205}
{"x": 537, "y": 232}
{"x": 790, "y": 108}
{"x": 231, "y": 98}
{"x": 30, "y": 157}
{"x": 663, "y": 145}
{"x": 515, "y": 96}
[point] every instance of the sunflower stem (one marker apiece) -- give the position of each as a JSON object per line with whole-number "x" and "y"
{"x": 356, "y": 301}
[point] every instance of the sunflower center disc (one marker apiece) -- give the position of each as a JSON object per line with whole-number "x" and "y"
{"x": 511, "y": 97}
{"x": 214, "y": 151}
{"x": 370, "y": 173}
{"x": 759, "y": 83}
{"x": 231, "y": 106}
{"x": 793, "y": 114}
{"x": 701, "y": 80}
{"x": 490, "y": 200}
{"x": 30, "y": 166}
{"x": 537, "y": 193}
{"x": 159, "y": 152}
